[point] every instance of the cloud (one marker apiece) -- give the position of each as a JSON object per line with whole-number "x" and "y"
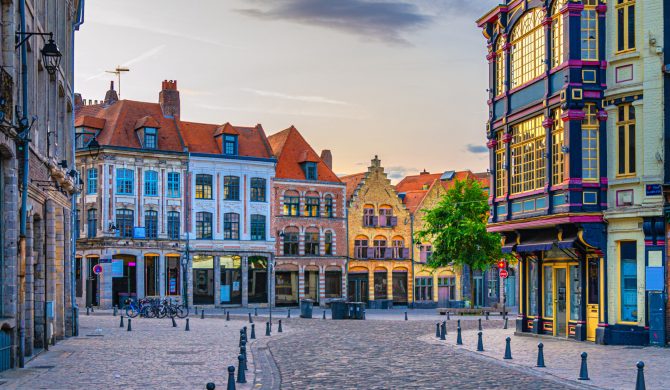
{"x": 399, "y": 172}
{"x": 144, "y": 56}
{"x": 275, "y": 111}
{"x": 300, "y": 98}
{"x": 383, "y": 20}
{"x": 467, "y": 8}
{"x": 477, "y": 149}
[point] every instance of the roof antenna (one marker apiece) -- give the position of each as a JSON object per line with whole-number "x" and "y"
{"x": 119, "y": 69}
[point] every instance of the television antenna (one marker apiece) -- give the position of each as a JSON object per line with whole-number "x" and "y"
{"x": 119, "y": 69}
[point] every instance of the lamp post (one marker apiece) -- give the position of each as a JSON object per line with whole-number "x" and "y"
{"x": 184, "y": 267}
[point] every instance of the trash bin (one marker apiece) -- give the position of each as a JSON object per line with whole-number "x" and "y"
{"x": 306, "y": 308}
{"x": 339, "y": 310}
{"x": 356, "y": 310}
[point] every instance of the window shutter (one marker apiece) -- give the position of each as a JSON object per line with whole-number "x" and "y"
{"x": 405, "y": 253}
{"x": 382, "y": 219}
{"x": 394, "y": 221}
{"x": 388, "y": 253}
{"x": 422, "y": 256}
{"x": 375, "y": 221}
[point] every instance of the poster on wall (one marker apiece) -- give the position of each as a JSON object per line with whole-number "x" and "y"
{"x": 173, "y": 286}
{"x": 117, "y": 268}
{"x": 225, "y": 293}
{"x": 236, "y": 286}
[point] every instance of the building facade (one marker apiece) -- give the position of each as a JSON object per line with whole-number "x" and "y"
{"x": 309, "y": 218}
{"x": 380, "y": 238}
{"x": 548, "y": 161}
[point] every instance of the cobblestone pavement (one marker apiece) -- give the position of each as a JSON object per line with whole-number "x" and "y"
{"x": 153, "y": 355}
{"x": 388, "y": 355}
{"x": 609, "y": 366}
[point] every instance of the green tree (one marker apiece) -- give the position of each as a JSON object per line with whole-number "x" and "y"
{"x": 456, "y": 226}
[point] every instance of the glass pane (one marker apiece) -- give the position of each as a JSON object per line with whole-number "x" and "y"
{"x": 548, "y": 292}
{"x": 628, "y": 272}
{"x": 532, "y": 291}
{"x": 575, "y": 292}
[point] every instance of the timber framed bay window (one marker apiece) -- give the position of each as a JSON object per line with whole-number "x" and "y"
{"x": 528, "y": 48}
{"x": 203, "y": 186}
{"x": 528, "y": 162}
{"x": 500, "y": 67}
{"x": 557, "y": 142}
{"x": 557, "y": 34}
{"x": 590, "y": 127}
{"x": 628, "y": 281}
{"x": 626, "y": 140}
{"x": 589, "y": 31}
{"x": 501, "y": 171}
{"x": 625, "y": 25}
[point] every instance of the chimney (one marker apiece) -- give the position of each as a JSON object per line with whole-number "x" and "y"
{"x": 169, "y": 98}
{"x": 110, "y": 97}
{"x": 327, "y": 158}
{"x": 78, "y": 101}
{"x": 425, "y": 172}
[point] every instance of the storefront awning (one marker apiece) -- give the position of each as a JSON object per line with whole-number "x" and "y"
{"x": 509, "y": 248}
{"x": 567, "y": 244}
{"x": 534, "y": 246}
{"x": 542, "y": 240}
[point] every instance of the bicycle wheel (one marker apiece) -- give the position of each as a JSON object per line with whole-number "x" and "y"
{"x": 161, "y": 312}
{"x": 148, "y": 312}
{"x": 182, "y": 311}
{"x": 131, "y": 311}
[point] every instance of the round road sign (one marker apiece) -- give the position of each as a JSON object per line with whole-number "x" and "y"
{"x": 97, "y": 269}
{"x": 503, "y": 273}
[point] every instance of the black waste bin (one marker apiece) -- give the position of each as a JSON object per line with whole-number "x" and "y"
{"x": 339, "y": 310}
{"x": 306, "y": 308}
{"x": 356, "y": 310}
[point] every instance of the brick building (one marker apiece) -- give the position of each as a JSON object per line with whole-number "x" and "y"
{"x": 309, "y": 216}
{"x": 380, "y": 238}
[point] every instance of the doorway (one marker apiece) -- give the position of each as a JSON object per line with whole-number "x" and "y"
{"x": 479, "y": 291}
{"x": 203, "y": 280}
{"x": 150, "y": 275}
{"x": 92, "y": 294}
{"x": 358, "y": 288}
{"x": 561, "y": 302}
{"x": 231, "y": 280}
{"x": 124, "y": 279}
{"x": 312, "y": 285}
{"x": 593, "y": 297}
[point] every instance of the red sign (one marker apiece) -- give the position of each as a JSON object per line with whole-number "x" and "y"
{"x": 503, "y": 273}
{"x": 502, "y": 264}
{"x": 97, "y": 269}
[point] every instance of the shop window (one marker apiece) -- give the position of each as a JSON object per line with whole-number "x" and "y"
{"x": 493, "y": 283}
{"x": 548, "y": 292}
{"x": 628, "y": 281}
{"x": 625, "y": 25}
{"x": 423, "y": 289}
{"x": 333, "y": 284}
{"x": 172, "y": 275}
{"x": 203, "y": 186}
{"x": 626, "y": 139}
{"x": 532, "y": 287}
{"x": 575, "y": 292}
{"x": 381, "y": 285}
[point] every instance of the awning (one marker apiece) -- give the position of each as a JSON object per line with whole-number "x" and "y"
{"x": 567, "y": 244}
{"x": 508, "y": 248}
{"x": 542, "y": 240}
{"x": 534, "y": 246}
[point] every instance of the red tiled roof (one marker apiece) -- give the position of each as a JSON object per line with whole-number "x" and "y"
{"x": 226, "y": 128}
{"x": 416, "y": 187}
{"x": 89, "y": 121}
{"x": 413, "y": 199}
{"x": 146, "y": 121}
{"x": 291, "y": 149}
{"x": 352, "y": 182}
{"x": 201, "y": 138}
{"x": 417, "y": 182}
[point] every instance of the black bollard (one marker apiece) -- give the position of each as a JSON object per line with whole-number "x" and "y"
{"x": 253, "y": 331}
{"x": 240, "y": 371}
{"x": 508, "y": 349}
{"x": 479, "y": 320}
{"x": 231, "y": 378}
{"x": 459, "y": 323}
{"x": 540, "y": 356}
{"x": 202, "y": 314}
{"x": 87, "y": 310}
{"x": 174, "y": 324}
{"x": 448, "y": 318}
{"x": 244, "y": 329}
{"x": 324, "y": 314}
{"x": 437, "y": 330}
{"x": 639, "y": 384}
{"x": 241, "y": 338}
{"x": 228, "y": 316}
{"x": 188, "y": 328}
{"x": 121, "y": 323}
{"x": 92, "y": 311}
{"x": 243, "y": 352}
{"x": 210, "y": 386}
{"x": 505, "y": 326}
{"x": 289, "y": 313}
{"x": 267, "y": 328}
{"x": 251, "y": 321}
{"x": 487, "y": 316}
{"x": 443, "y": 331}
{"x": 279, "y": 330}
{"x": 130, "y": 327}
{"x": 459, "y": 339}
{"x": 363, "y": 313}
{"x": 584, "y": 370}
{"x": 255, "y": 312}
{"x": 444, "y": 323}
{"x": 480, "y": 342}
{"x": 405, "y": 316}
{"x": 116, "y": 308}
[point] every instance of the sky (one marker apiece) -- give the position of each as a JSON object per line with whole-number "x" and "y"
{"x": 404, "y": 80}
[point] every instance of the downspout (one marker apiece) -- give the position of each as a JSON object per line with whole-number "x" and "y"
{"x": 345, "y": 276}
{"x": 411, "y": 242}
{"x": 187, "y": 209}
{"x": 73, "y": 208}
{"x": 25, "y": 143}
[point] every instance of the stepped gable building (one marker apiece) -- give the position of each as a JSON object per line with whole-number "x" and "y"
{"x": 309, "y": 216}
{"x": 380, "y": 239}
{"x": 132, "y": 210}
{"x": 547, "y": 138}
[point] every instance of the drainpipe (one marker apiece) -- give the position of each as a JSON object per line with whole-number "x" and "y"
{"x": 411, "y": 245}
{"x": 73, "y": 208}
{"x": 187, "y": 211}
{"x": 345, "y": 276}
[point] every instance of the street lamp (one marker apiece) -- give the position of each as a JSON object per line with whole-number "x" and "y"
{"x": 51, "y": 56}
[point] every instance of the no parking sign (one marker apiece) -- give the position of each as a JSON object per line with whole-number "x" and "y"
{"x": 97, "y": 269}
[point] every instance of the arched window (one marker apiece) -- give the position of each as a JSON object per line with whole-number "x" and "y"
{"x": 291, "y": 203}
{"x": 557, "y": 34}
{"x": 312, "y": 204}
{"x": 589, "y": 30}
{"x": 328, "y": 243}
{"x": 380, "y": 248}
{"x": 312, "y": 242}
{"x": 291, "y": 241}
{"x": 500, "y": 66}
{"x": 398, "y": 247}
{"x": 386, "y": 218}
{"x": 369, "y": 218}
{"x": 527, "y": 52}
{"x": 328, "y": 200}
{"x": 361, "y": 247}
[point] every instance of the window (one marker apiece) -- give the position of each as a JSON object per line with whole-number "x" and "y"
{"x": 626, "y": 139}
{"x": 91, "y": 222}
{"x": 528, "y": 146}
{"x": 311, "y": 206}
{"x": 77, "y": 226}
{"x": 379, "y": 245}
{"x": 291, "y": 204}
{"x": 291, "y": 240}
{"x": 329, "y": 206}
{"x": 501, "y": 172}
{"x": 92, "y": 181}
{"x": 310, "y": 171}
{"x": 423, "y": 289}
{"x": 312, "y": 243}
{"x": 425, "y": 252}
{"x": 203, "y": 186}
{"x": 386, "y": 217}
{"x": 84, "y": 137}
{"x": 151, "y": 223}
{"x": 589, "y": 29}
{"x": 203, "y": 225}
{"x": 257, "y": 227}
{"x": 257, "y": 189}
{"x": 231, "y": 226}
{"x": 124, "y": 181}
{"x": 230, "y": 145}
{"x": 533, "y": 287}
{"x": 575, "y": 292}
{"x": 333, "y": 284}
{"x": 173, "y": 225}
{"x": 527, "y": 52}
{"x": 557, "y": 34}
{"x": 398, "y": 247}
{"x": 450, "y": 284}
{"x": 231, "y": 188}
{"x": 590, "y": 127}
{"x": 369, "y": 218}
{"x": 548, "y": 292}
{"x": 172, "y": 276}
{"x": 628, "y": 272}
{"x": 625, "y": 24}
{"x": 150, "y": 138}
{"x": 557, "y": 143}
{"x": 124, "y": 222}
{"x": 500, "y": 67}
{"x": 151, "y": 183}
{"x": 328, "y": 243}
{"x": 173, "y": 185}
{"x": 361, "y": 248}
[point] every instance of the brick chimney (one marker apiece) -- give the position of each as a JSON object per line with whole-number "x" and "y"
{"x": 169, "y": 98}
{"x": 78, "y": 101}
{"x": 111, "y": 96}
{"x": 327, "y": 158}
{"x": 425, "y": 172}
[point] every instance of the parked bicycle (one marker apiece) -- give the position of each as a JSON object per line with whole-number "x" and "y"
{"x": 155, "y": 308}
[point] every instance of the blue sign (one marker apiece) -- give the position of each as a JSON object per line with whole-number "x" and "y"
{"x": 655, "y": 279}
{"x": 653, "y": 190}
{"x": 117, "y": 268}
{"x": 104, "y": 260}
{"x": 225, "y": 293}
{"x": 139, "y": 232}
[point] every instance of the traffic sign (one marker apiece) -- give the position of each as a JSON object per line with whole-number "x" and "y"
{"x": 503, "y": 273}
{"x": 97, "y": 269}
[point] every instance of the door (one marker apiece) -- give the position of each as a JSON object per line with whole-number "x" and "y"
{"x": 593, "y": 298}
{"x": 561, "y": 303}
{"x": 358, "y": 288}
{"x": 92, "y": 283}
{"x": 479, "y": 291}
{"x": 203, "y": 286}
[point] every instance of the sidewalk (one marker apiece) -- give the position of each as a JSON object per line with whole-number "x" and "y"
{"x": 609, "y": 367}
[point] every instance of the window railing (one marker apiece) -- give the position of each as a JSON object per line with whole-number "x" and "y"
{"x": 370, "y": 220}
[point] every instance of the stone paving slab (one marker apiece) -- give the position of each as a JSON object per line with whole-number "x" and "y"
{"x": 609, "y": 366}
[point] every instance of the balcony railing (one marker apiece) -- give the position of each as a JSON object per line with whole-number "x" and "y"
{"x": 381, "y": 253}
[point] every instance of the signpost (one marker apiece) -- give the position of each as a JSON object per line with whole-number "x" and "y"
{"x": 97, "y": 269}
{"x": 504, "y": 273}
{"x": 502, "y": 267}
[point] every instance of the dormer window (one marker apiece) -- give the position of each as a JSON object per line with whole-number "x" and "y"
{"x": 84, "y": 136}
{"x": 230, "y": 145}
{"x": 310, "y": 170}
{"x": 150, "y": 138}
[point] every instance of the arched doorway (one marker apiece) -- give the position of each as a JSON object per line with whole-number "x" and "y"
{"x": 124, "y": 279}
